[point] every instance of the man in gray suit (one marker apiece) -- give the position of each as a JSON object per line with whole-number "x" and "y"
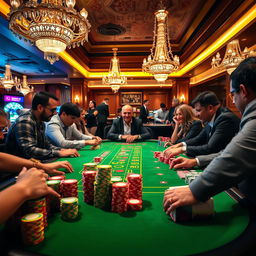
{"x": 235, "y": 166}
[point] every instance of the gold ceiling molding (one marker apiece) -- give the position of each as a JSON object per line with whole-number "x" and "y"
{"x": 244, "y": 21}
{"x": 211, "y": 72}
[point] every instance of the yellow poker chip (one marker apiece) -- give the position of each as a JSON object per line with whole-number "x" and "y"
{"x": 69, "y": 200}
{"x": 32, "y": 217}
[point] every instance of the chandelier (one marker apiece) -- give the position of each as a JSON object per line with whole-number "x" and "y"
{"x": 114, "y": 77}
{"x": 233, "y": 56}
{"x": 161, "y": 61}
{"x": 52, "y": 25}
{"x": 24, "y": 87}
{"x": 7, "y": 81}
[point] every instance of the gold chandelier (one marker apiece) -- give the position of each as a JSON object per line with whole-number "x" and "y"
{"x": 114, "y": 77}
{"x": 7, "y": 81}
{"x": 52, "y": 25}
{"x": 233, "y": 56}
{"x": 23, "y": 87}
{"x": 161, "y": 61}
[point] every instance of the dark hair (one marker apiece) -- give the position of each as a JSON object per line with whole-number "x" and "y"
{"x": 245, "y": 74}
{"x": 206, "y": 98}
{"x": 145, "y": 101}
{"x": 3, "y": 113}
{"x": 94, "y": 103}
{"x": 70, "y": 109}
{"x": 162, "y": 105}
{"x": 43, "y": 99}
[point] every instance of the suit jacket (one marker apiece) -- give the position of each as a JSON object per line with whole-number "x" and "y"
{"x": 235, "y": 165}
{"x": 212, "y": 140}
{"x": 170, "y": 114}
{"x": 194, "y": 130}
{"x": 143, "y": 114}
{"x": 137, "y": 128}
{"x": 103, "y": 112}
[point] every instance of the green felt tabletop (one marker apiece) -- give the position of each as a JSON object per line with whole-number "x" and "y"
{"x": 147, "y": 232}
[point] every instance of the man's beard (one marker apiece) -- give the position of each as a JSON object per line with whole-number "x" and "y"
{"x": 44, "y": 117}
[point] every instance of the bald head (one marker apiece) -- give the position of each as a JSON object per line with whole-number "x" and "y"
{"x": 127, "y": 113}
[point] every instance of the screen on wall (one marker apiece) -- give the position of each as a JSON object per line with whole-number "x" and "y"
{"x": 12, "y": 104}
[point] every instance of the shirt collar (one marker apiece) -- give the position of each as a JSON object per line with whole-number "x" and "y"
{"x": 212, "y": 120}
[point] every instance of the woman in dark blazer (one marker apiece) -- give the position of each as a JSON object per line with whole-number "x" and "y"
{"x": 186, "y": 125}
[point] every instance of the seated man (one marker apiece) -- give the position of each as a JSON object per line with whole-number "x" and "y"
{"x": 127, "y": 127}
{"x": 161, "y": 114}
{"x": 221, "y": 128}
{"x": 62, "y": 131}
{"x": 235, "y": 166}
{"x": 26, "y": 137}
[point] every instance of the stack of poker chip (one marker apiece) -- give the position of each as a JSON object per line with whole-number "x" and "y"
{"x": 102, "y": 186}
{"x": 97, "y": 159}
{"x": 68, "y": 188}
{"x": 53, "y": 202}
{"x": 135, "y": 188}
{"x": 32, "y": 228}
{"x": 88, "y": 178}
{"x": 90, "y": 167}
{"x": 60, "y": 177}
{"x": 162, "y": 140}
{"x": 120, "y": 195}
{"x": 115, "y": 179}
{"x": 157, "y": 154}
{"x": 134, "y": 204}
{"x": 38, "y": 206}
{"x": 161, "y": 157}
{"x": 69, "y": 208}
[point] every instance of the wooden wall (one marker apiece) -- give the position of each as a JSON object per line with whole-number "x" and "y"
{"x": 155, "y": 96}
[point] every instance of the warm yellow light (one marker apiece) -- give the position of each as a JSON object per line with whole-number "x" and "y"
{"x": 230, "y": 33}
{"x": 69, "y": 59}
{"x": 182, "y": 98}
{"x": 77, "y": 99}
{"x": 4, "y": 8}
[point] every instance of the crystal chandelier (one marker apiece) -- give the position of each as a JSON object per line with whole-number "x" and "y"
{"x": 7, "y": 81}
{"x": 233, "y": 56}
{"x": 24, "y": 87}
{"x": 114, "y": 77}
{"x": 52, "y": 25}
{"x": 161, "y": 61}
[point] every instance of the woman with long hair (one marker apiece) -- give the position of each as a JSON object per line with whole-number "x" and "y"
{"x": 187, "y": 125}
{"x": 91, "y": 117}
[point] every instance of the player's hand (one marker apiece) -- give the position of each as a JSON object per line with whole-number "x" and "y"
{"x": 176, "y": 145}
{"x": 51, "y": 167}
{"x": 68, "y": 152}
{"x": 92, "y": 142}
{"x": 171, "y": 152}
{"x": 132, "y": 138}
{"x": 33, "y": 183}
{"x": 182, "y": 162}
{"x": 167, "y": 144}
{"x": 99, "y": 139}
{"x": 124, "y": 137}
{"x": 177, "y": 197}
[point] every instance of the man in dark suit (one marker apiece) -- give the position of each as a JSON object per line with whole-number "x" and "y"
{"x": 175, "y": 103}
{"x": 235, "y": 166}
{"x": 103, "y": 113}
{"x": 127, "y": 127}
{"x": 222, "y": 125}
{"x": 144, "y": 111}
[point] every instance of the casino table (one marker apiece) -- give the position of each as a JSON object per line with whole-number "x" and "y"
{"x": 164, "y": 130}
{"x": 149, "y": 231}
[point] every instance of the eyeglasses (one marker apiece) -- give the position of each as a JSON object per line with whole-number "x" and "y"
{"x": 53, "y": 110}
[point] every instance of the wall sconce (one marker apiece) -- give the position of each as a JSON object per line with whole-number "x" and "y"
{"x": 182, "y": 98}
{"x": 77, "y": 99}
